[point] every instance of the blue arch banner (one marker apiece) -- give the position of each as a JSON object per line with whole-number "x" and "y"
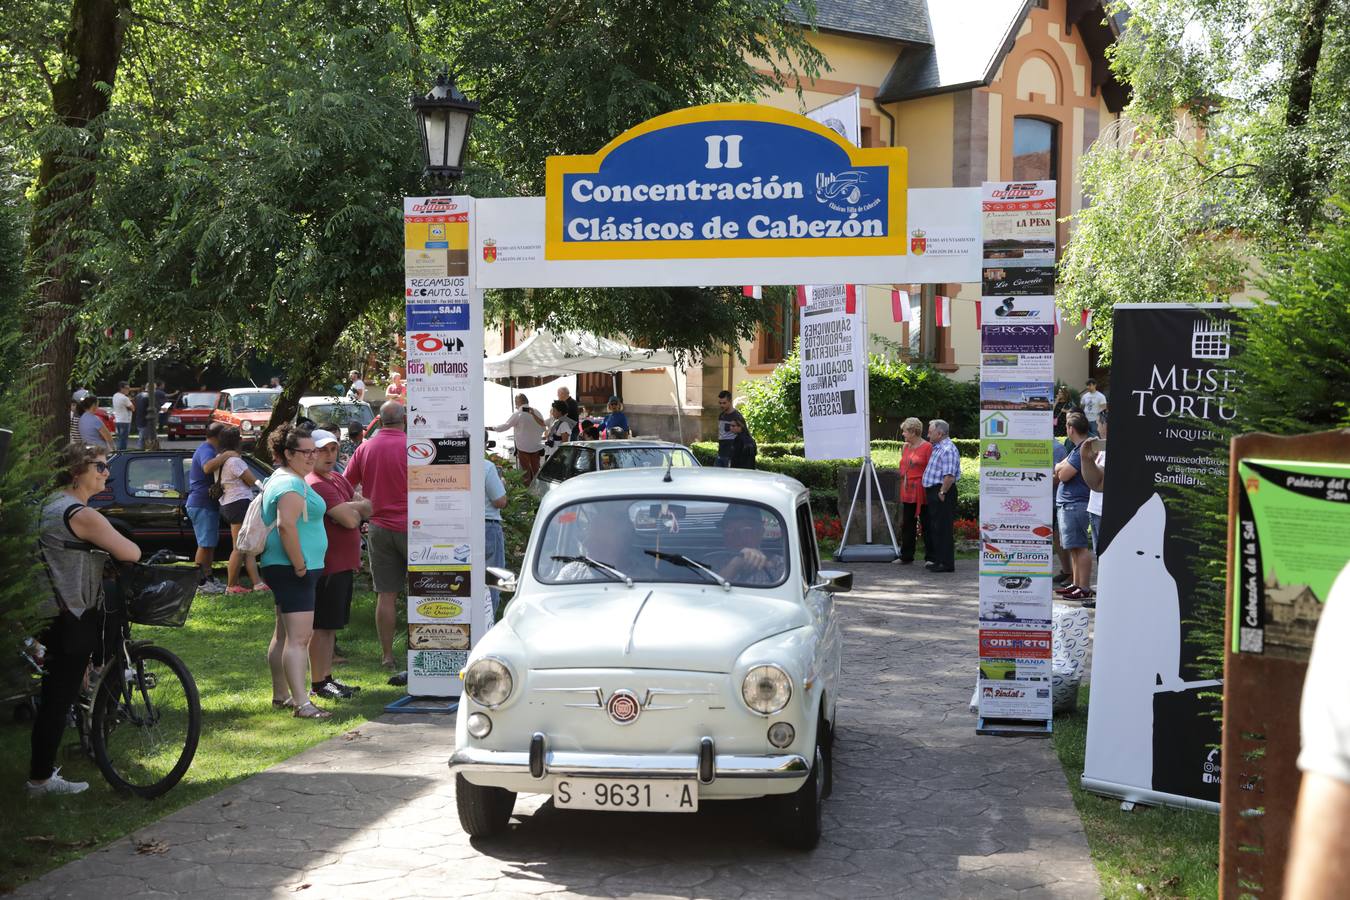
{"x": 726, "y": 180}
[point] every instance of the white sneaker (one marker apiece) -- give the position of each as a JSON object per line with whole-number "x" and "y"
{"x": 56, "y": 785}
{"x": 210, "y": 586}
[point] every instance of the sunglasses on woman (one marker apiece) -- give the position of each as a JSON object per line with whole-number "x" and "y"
{"x": 102, "y": 468}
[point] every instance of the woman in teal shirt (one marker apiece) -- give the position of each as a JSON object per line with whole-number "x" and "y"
{"x": 292, "y": 562}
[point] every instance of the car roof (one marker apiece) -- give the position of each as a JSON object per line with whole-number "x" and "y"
{"x": 317, "y": 398}
{"x": 627, "y": 443}
{"x": 769, "y": 488}
{"x": 248, "y": 390}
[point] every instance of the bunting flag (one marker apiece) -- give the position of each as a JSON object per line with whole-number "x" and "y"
{"x": 753, "y": 290}
{"x": 979, "y": 319}
{"x": 851, "y": 299}
{"x": 900, "y": 311}
{"x": 801, "y": 295}
{"x": 1087, "y": 317}
{"x": 129, "y": 334}
{"x": 943, "y": 310}
{"x": 1059, "y": 320}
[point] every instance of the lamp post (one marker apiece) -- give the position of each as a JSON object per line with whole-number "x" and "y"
{"x": 444, "y": 116}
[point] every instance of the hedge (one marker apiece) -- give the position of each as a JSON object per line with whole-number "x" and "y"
{"x": 821, "y": 476}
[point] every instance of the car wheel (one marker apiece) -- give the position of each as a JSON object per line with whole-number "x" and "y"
{"x": 799, "y": 814}
{"x": 483, "y": 811}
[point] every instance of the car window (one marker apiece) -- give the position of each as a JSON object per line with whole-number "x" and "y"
{"x": 583, "y": 461}
{"x": 196, "y": 400}
{"x": 743, "y": 542}
{"x": 224, "y": 402}
{"x": 338, "y": 415}
{"x": 152, "y": 476}
{"x": 647, "y": 458}
{"x": 556, "y": 467}
{"x": 254, "y": 402}
{"x": 806, "y": 530}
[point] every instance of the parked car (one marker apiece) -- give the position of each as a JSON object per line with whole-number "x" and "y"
{"x": 336, "y": 413}
{"x": 248, "y": 409}
{"x": 146, "y": 496}
{"x": 672, "y": 641}
{"x": 190, "y": 413}
{"x": 577, "y": 457}
{"x": 104, "y": 410}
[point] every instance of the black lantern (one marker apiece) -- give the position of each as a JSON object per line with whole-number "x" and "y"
{"x": 444, "y": 116}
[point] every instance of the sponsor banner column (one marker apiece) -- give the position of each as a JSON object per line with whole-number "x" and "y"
{"x": 1017, "y": 315}
{"x": 448, "y": 603}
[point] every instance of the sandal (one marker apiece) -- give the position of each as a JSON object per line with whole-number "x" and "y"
{"x": 308, "y": 710}
{"x": 261, "y": 586}
{"x": 236, "y": 589}
{"x": 288, "y": 703}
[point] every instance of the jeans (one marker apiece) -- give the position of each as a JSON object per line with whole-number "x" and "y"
{"x": 145, "y": 434}
{"x": 71, "y": 643}
{"x": 1096, "y": 522}
{"x": 123, "y": 432}
{"x": 494, "y": 550}
{"x": 942, "y": 516}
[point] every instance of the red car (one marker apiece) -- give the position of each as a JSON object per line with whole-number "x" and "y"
{"x": 190, "y": 414}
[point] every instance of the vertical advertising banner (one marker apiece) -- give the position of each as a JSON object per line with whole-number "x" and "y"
{"x": 834, "y": 366}
{"x": 1017, "y": 377}
{"x": 1150, "y": 737}
{"x": 449, "y": 607}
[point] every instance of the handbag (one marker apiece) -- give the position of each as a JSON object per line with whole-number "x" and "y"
{"x": 215, "y": 490}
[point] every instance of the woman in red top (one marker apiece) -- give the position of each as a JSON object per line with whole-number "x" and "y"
{"x": 913, "y": 460}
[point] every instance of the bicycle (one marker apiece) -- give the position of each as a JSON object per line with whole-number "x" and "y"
{"x": 140, "y": 717}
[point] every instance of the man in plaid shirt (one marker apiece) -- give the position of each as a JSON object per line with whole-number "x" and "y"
{"x": 939, "y": 484}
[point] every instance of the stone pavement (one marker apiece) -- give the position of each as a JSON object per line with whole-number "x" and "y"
{"x": 922, "y": 807}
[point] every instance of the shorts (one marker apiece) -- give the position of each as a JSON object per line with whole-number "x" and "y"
{"x": 1073, "y": 526}
{"x": 333, "y": 600}
{"x": 291, "y": 593}
{"x": 388, "y": 559}
{"x": 233, "y": 513}
{"x": 205, "y": 525}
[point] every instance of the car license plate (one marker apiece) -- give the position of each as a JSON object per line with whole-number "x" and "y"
{"x": 621, "y": 795}
{"x": 195, "y": 427}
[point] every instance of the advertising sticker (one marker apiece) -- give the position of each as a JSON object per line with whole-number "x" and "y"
{"x": 1025, "y": 555}
{"x": 1017, "y": 367}
{"x": 1025, "y": 395}
{"x": 1017, "y": 338}
{"x": 1014, "y": 310}
{"x": 437, "y": 663}
{"x": 1017, "y": 424}
{"x": 1022, "y": 599}
{"x": 438, "y": 636}
{"x": 1008, "y": 453}
{"x": 1014, "y": 699}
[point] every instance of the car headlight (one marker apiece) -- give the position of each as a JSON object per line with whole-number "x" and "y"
{"x": 766, "y": 689}
{"x": 488, "y": 682}
{"x": 174, "y": 420}
{"x": 246, "y": 425}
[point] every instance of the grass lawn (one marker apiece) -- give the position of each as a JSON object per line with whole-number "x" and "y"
{"x": 1149, "y": 852}
{"x": 224, "y": 645}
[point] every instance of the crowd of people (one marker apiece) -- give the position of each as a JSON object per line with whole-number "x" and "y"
{"x": 134, "y": 409}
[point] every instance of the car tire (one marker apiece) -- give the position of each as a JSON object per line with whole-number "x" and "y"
{"x": 800, "y": 813}
{"x": 483, "y": 811}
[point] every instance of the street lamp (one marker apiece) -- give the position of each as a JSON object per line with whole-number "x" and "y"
{"x": 444, "y": 116}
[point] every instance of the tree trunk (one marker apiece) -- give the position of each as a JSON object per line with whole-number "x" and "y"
{"x": 305, "y": 368}
{"x": 1302, "y": 202}
{"x": 63, "y": 201}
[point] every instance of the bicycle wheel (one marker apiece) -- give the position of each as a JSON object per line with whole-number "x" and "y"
{"x": 147, "y": 721}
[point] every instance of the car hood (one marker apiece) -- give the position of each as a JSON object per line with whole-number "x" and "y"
{"x": 254, "y": 415}
{"x": 686, "y": 629}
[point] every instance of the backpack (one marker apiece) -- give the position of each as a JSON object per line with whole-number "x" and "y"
{"x": 253, "y": 533}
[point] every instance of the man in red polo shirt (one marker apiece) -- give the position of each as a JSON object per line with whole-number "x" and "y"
{"x": 333, "y": 594}
{"x": 379, "y": 467}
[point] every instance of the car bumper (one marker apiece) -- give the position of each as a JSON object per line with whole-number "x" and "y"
{"x": 733, "y": 776}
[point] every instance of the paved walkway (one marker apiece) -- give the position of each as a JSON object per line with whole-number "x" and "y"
{"x": 922, "y": 807}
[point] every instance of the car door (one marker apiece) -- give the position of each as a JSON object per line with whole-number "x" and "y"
{"x": 829, "y": 641}
{"x": 554, "y": 472}
{"x": 151, "y": 496}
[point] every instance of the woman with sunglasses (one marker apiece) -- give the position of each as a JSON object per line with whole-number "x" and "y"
{"x": 291, "y": 563}
{"x": 76, "y": 578}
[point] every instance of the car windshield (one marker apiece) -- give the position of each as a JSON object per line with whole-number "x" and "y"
{"x": 330, "y": 415}
{"x": 646, "y": 458}
{"x": 253, "y": 401}
{"x": 661, "y": 539}
{"x": 198, "y": 401}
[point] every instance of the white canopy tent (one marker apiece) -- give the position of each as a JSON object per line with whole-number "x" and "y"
{"x": 546, "y": 353}
{"x": 571, "y": 352}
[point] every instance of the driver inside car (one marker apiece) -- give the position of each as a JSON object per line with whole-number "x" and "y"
{"x": 610, "y": 539}
{"x": 742, "y": 529}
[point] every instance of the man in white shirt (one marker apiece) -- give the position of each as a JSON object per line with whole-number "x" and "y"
{"x": 528, "y": 433}
{"x": 123, "y": 408}
{"x": 357, "y": 391}
{"x": 1093, "y": 402}
{"x": 1319, "y": 856}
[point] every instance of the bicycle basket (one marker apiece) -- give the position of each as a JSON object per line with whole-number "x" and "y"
{"x": 159, "y": 595}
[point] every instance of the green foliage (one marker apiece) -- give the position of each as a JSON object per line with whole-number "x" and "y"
{"x": 772, "y": 406}
{"x": 518, "y": 517}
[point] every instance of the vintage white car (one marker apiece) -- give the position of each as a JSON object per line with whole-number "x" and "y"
{"x": 672, "y": 641}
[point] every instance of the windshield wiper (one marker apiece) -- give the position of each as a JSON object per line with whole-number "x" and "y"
{"x": 596, "y": 564}
{"x": 680, "y": 559}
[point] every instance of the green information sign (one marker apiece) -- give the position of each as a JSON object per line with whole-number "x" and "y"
{"x": 1293, "y": 535}
{"x": 1006, "y": 453}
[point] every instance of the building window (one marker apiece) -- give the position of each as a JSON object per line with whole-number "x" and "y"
{"x": 776, "y": 338}
{"x": 1035, "y": 150}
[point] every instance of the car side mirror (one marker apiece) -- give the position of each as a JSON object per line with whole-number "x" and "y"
{"x": 834, "y": 581}
{"x": 501, "y": 579}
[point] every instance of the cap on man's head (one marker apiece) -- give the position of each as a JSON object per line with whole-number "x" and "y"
{"x": 323, "y": 438}
{"x": 79, "y": 395}
{"x": 614, "y": 398}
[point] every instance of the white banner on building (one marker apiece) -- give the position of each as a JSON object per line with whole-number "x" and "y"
{"x": 834, "y": 369}
{"x": 449, "y": 608}
{"x": 841, "y": 116}
{"x": 1016, "y": 389}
